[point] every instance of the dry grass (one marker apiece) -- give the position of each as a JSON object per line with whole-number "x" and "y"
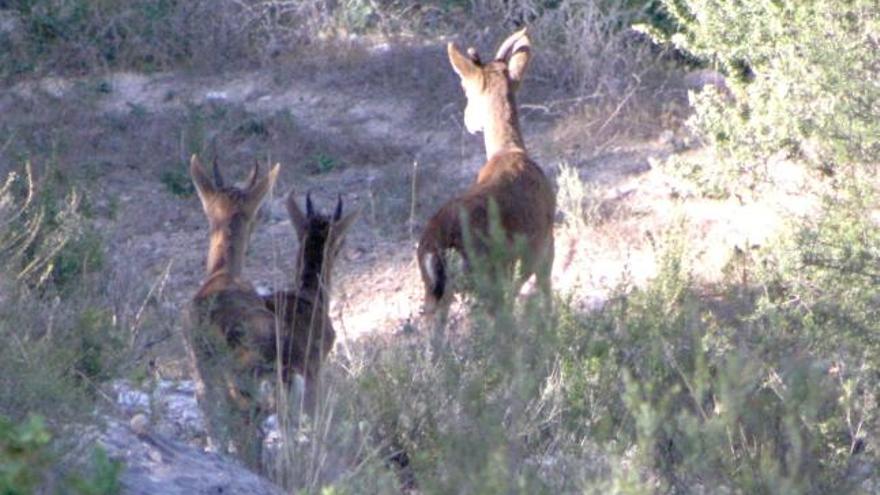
{"x": 493, "y": 407}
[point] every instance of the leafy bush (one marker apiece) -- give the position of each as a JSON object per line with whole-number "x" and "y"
{"x": 60, "y": 342}
{"x": 767, "y": 389}
{"x": 27, "y": 459}
{"x": 800, "y": 73}
{"x": 23, "y": 455}
{"x": 45, "y": 239}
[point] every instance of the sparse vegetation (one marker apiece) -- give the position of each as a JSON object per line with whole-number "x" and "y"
{"x": 60, "y": 344}
{"x": 763, "y": 381}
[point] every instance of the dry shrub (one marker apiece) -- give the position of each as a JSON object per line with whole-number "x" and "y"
{"x": 80, "y": 36}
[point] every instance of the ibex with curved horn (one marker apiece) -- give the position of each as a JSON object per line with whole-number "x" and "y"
{"x": 524, "y": 198}
{"x": 308, "y": 334}
{"x": 231, "y": 334}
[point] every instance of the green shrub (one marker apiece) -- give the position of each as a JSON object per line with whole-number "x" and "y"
{"x": 748, "y": 404}
{"x": 60, "y": 340}
{"x": 800, "y": 73}
{"x": 177, "y": 182}
{"x": 24, "y": 455}
{"x": 38, "y": 228}
{"x": 27, "y": 459}
{"x": 665, "y": 388}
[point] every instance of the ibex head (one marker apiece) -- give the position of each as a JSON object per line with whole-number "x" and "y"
{"x": 484, "y": 83}
{"x": 321, "y": 237}
{"x": 230, "y": 210}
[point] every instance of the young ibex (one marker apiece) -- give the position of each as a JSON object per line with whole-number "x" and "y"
{"x": 231, "y": 334}
{"x": 521, "y": 193}
{"x": 308, "y": 334}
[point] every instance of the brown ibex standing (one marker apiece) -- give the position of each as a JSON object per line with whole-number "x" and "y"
{"x": 231, "y": 334}
{"x": 308, "y": 334}
{"x": 518, "y": 188}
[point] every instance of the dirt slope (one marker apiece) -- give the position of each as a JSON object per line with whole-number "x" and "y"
{"x": 360, "y": 128}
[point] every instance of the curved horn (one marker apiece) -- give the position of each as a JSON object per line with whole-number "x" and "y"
{"x": 255, "y": 172}
{"x": 508, "y": 46}
{"x": 338, "y": 214}
{"x": 310, "y": 211}
{"x": 218, "y": 178}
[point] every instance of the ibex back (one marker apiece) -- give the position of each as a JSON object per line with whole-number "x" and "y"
{"x": 525, "y": 200}
{"x": 231, "y": 334}
{"x": 308, "y": 334}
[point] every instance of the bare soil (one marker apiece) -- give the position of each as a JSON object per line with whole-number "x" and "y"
{"x": 378, "y": 127}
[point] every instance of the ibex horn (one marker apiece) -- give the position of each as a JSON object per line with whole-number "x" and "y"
{"x": 255, "y": 172}
{"x": 309, "y": 209}
{"x": 218, "y": 179}
{"x": 338, "y": 214}
{"x": 507, "y": 48}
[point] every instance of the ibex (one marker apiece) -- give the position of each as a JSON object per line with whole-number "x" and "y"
{"x": 231, "y": 334}
{"x": 520, "y": 191}
{"x": 308, "y": 334}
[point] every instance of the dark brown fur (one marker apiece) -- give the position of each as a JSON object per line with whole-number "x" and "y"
{"x": 308, "y": 334}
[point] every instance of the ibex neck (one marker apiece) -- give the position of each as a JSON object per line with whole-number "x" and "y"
{"x": 312, "y": 277}
{"x": 227, "y": 248}
{"x": 502, "y": 128}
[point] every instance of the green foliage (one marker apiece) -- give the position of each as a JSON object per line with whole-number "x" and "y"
{"x": 322, "y": 163}
{"x": 799, "y": 72}
{"x": 95, "y": 345}
{"x": 23, "y": 455}
{"x": 60, "y": 341}
{"x": 82, "y": 256}
{"x": 768, "y": 389}
{"x": 101, "y": 476}
{"x": 745, "y": 406}
{"x": 26, "y": 459}
{"x": 45, "y": 238}
{"x": 177, "y": 182}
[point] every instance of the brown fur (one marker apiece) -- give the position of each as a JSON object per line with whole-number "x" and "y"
{"x": 231, "y": 335}
{"x": 308, "y": 334}
{"x": 523, "y": 194}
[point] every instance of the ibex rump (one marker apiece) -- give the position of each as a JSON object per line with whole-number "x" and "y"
{"x": 230, "y": 333}
{"x": 524, "y": 198}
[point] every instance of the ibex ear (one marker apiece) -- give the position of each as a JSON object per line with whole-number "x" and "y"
{"x": 257, "y": 190}
{"x": 461, "y": 63}
{"x": 204, "y": 183}
{"x": 297, "y": 217}
{"x": 516, "y": 51}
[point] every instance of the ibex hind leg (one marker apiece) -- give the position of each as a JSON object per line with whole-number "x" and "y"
{"x": 244, "y": 418}
{"x": 544, "y": 276}
{"x": 205, "y": 397}
{"x": 542, "y": 268}
{"x": 231, "y": 419}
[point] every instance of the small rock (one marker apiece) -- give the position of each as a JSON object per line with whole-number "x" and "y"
{"x": 140, "y": 424}
{"x": 216, "y": 96}
{"x": 129, "y": 399}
